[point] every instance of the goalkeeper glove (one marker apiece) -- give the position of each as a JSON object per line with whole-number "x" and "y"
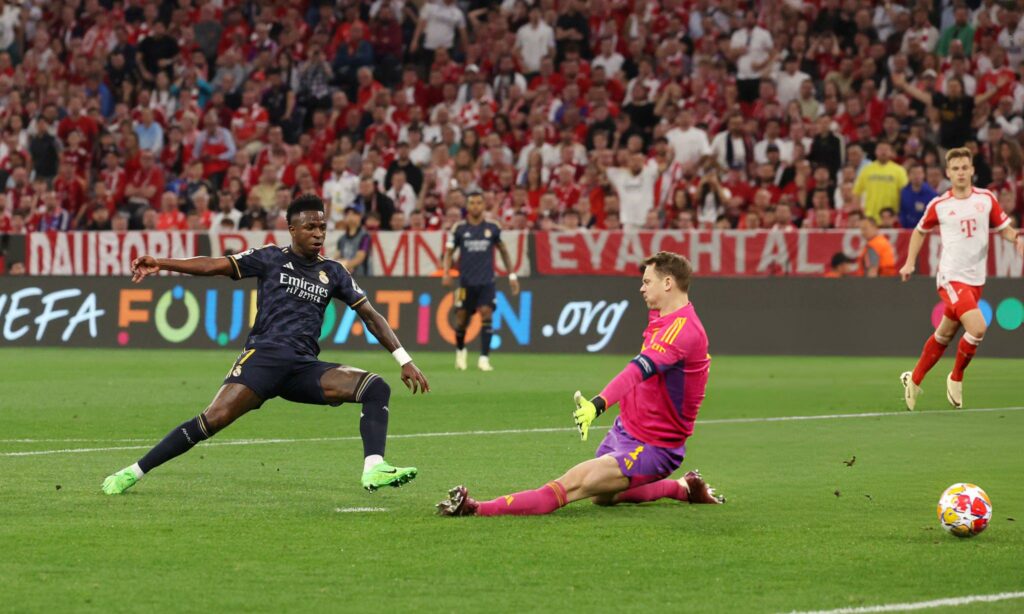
{"x": 586, "y": 412}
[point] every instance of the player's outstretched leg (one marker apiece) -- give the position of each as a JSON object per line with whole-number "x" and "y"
{"x": 347, "y": 384}
{"x": 690, "y": 488}
{"x": 461, "y": 353}
{"x": 231, "y": 402}
{"x": 594, "y": 477}
{"x": 486, "y": 332}
{"x": 974, "y": 325}
{"x": 933, "y": 349}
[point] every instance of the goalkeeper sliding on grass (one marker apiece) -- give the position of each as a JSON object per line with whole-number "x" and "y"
{"x": 659, "y": 393}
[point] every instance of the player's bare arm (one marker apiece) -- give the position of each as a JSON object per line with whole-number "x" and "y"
{"x": 446, "y": 266}
{"x": 506, "y": 260}
{"x": 412, "y": 377}
{"x": 144, "y": 266}
{"x": 916, "y": 241}
{"x": 1014, "y": 236}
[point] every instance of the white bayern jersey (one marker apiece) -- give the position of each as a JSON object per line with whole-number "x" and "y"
{"x": 964, "y": 225}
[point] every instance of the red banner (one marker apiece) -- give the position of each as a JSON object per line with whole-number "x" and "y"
{"x": 392, "y": 254}
{"x": 236, "y": 242}
{"x": 419, "y": 254}
{"x": 736, "y": 252}
{"x": 101, "y": 253}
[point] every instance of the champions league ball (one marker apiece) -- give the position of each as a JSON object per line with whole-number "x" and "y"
{"x": 964, "y": 510}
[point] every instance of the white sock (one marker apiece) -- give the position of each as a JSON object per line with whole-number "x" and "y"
{"x": 372, "y": 461}
{"x": 137, "y": 471}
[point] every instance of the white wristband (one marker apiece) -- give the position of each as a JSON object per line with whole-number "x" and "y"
{"x": 402, "y": 357}
{"x": 512, "y": 277}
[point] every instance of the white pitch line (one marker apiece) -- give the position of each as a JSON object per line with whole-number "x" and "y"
{"x": 356, "y": 510}
{"x": 252, "y": 442}
{"x": 921, "y": 605}
{"x": 71, "y": 440}
{"x": 874, "y": 414}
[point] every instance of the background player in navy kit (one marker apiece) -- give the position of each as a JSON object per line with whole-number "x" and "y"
{"x": 280, "y": 356}
{"x": 475, "y": 239}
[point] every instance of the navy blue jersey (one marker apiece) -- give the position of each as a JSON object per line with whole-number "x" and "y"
{"x": 476, "y": 251}
{"x": 292, "y": 295}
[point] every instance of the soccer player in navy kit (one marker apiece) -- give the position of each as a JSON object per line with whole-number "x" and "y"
{"x": 295, "y": 285}
{"x": 475, "y": 239}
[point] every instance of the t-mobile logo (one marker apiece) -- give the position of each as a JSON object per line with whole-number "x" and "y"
{"x": 968, "y": 226}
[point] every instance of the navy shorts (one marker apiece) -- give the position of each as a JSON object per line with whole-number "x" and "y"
{"x": 278, "y": 372}
{"x": 472, "y": 298}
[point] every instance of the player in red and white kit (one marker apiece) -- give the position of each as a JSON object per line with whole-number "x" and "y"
{"x": 965, "y": 215}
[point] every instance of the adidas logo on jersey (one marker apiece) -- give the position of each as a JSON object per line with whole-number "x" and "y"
{"x": 288, "y": 265}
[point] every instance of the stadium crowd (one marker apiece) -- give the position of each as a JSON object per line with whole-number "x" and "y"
{"x": 565, "y": 114}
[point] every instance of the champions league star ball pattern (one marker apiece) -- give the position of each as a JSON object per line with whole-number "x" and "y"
{"x": 964, "y": 510}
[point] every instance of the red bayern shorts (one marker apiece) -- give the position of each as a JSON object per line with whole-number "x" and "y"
{"x": 959, "y": 298}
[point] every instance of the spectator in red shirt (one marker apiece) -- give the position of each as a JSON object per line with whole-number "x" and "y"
{"x": 368, "y": 87}
{"x": 215, "y": 148}
{"x": 170, "y": 216}
{"x": 249, "y": 123}
{"x": 144, "y": 186}
{"x": 114, "y": 180}
{"x": 386, "y": 37}
{"x": 76, "y": 155}
{"x": 547, "y": 76}
{"x": 70, "y": 188}
{"x": 200, "y": 217}
{"x": 78, "y": 119}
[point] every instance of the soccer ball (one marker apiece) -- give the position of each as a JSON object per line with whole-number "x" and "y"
{"x": 964, "y": 510}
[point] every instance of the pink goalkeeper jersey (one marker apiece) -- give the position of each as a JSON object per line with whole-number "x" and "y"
{"x": 964, "y": 225}
{"x": 674, "y": 359}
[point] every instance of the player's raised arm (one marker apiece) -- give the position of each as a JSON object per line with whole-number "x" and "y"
{"x": 412, "y": 377}
{"x": 638, "y": 369}
{"x": 144, "y": 266}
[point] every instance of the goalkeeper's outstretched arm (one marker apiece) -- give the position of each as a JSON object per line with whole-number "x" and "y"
{"x": 638, "y": 369}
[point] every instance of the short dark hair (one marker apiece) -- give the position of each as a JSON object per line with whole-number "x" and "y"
{"x": 668, "y": 263}
{"x": 306, "y": 202}
{"x": 473, "y": 193}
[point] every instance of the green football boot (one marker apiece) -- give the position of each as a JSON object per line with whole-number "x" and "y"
{"x": 383, "y": 474}
{"x": 119, "y": 482}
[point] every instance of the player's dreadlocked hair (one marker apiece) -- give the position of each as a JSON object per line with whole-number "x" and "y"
{"x": 306, "y": 202}
{"x": 670, "y": 264}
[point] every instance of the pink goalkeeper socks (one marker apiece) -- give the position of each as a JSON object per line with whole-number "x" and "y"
{"x": 543, "y": 500}
{"x": 661, "y": 489}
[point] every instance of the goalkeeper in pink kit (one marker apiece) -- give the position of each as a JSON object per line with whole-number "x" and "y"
{"x": 659, "y": 394}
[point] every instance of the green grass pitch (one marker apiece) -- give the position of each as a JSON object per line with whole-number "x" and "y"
{"x": 255, "y": 526}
